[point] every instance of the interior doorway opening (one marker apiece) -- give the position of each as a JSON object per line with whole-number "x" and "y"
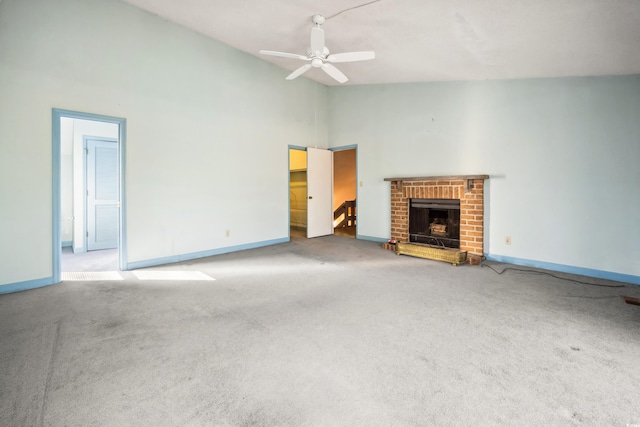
{"x": 322, "y": 191}
{"x": 310, "y": 191}
{"x": 297, "y": 192}
{"x": 88, "y": 193}
{"x": 345, "y": 192}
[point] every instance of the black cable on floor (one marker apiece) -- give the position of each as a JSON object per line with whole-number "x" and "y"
{"x": 552, "y": 275}
{"x": 583, "y": 297}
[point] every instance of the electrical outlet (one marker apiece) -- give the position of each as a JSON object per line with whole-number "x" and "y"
{"x": 228, "y": 233}
{"x": 507, "y": 240}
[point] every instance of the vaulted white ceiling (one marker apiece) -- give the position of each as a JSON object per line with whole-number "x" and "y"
{"x": 429, "y": 40}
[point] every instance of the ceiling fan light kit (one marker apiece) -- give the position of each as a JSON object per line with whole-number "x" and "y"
{"x": 319, "y": 55}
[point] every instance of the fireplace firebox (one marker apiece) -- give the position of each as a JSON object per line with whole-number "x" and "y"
{"x": 435, "y": 222}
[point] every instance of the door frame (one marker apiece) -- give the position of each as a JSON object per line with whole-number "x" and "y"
{"x": 353, "y": 147}
{"x": 56, "y": 156}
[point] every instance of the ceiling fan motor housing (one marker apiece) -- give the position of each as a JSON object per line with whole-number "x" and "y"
{"x": 318, "y": 19}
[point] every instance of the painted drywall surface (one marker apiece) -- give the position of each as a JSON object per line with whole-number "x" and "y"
{"x": 208, "y": 129}
{"x": 297, "y": 160}
{"x": 344, "y": 176}
{"x": 562, "y": 155}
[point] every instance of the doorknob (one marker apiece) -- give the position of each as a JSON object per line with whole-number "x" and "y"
{"x": 310, "y": 197}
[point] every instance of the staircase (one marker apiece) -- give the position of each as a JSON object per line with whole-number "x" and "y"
{"x": 345, "y": 215}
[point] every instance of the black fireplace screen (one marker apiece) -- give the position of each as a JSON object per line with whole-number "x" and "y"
{"x": 435, "y": 222}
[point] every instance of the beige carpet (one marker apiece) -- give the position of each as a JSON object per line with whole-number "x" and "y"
{"x": 322, "y": 332}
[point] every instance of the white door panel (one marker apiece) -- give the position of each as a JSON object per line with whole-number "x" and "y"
{"x": 319, "y": 192}
{"x": 102, "y": 194}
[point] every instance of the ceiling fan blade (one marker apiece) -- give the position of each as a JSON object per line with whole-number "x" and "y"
{"x": 284, "y": 54}
{"x": 317, "y": 41}
{"x": 334, "y": 72}
{"x": 352, "y": 56}
{"x": 299, "y": 71}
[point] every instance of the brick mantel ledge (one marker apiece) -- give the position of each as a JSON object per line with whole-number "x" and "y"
{"x": 439, "y": 178}
{"x": 467, "y": 178}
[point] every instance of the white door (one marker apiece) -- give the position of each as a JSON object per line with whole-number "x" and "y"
{"x": 319, "y": 192}
{"x": 102, "y": 194}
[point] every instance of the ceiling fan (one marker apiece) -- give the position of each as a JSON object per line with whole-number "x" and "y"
{"x": 319, "y": 56}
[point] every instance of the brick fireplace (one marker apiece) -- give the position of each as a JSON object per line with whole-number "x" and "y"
{"x": 469, "y": 189}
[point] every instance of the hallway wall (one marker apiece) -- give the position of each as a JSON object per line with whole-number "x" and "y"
{"x": 344, "y": 176}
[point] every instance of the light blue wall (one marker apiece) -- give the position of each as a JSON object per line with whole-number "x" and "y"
{"x": 208, "y": 130}
{"x": 562, "y": 155}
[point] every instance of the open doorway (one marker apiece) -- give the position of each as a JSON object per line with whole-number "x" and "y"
{"x": 297, "y": 192}
{"x": 344, "y": 192}
{"x": 322, "y": 191}
{"x": 310, "y": 192}
{"x": 88, "y": 182}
